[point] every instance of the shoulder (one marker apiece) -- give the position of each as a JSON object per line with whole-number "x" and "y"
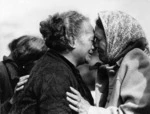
{"x": 51, "y": 65}
{"x": 50, "y": 68}
{"x": 135, "y": 63}
{"x": 3, "y": 74}
{"x": 137, "y": 58}
{"x": 1, "y": 65}
{"x": 2, "y": 69}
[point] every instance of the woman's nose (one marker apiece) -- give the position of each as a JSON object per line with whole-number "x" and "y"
{"x": 93, "y": 47}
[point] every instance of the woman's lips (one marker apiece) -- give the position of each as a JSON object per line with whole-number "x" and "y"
{"x": 90, "y": 52}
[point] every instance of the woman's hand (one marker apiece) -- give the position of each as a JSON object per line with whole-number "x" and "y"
{"x": 103, "y": 74}
{"x": 19, "y": 86}
{"x": 78, "y": 103}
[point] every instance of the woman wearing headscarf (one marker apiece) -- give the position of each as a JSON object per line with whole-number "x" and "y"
{"x": 123, "y": 80}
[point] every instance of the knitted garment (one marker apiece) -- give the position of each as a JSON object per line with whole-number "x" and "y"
{"x": 120, "y": 29}
{"x": 45, "y": 91}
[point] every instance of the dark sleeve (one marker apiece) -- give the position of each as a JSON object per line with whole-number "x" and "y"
{"x": 53, "y": 98}
{"x": 1, "y": 84}
{"x": 0, "y": 93}
{"x": 5, "y": 107}
{"x": 45, "y": 93}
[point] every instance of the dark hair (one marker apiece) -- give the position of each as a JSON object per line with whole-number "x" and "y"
{"x": 27, "y": 48}
{"x": 99, "y": 23}
{"x": 60, "y": 30}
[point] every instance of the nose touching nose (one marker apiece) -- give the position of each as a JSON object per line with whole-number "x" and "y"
{"x": 93, "y": 49}
{"x": 94, "y": 46}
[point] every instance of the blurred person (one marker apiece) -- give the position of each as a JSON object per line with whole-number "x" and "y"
{"x": 69, "y": 35}
{"x": 15, "y": 68}
{"x": 123, "y": 80}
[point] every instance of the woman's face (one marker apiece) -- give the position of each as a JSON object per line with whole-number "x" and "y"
{"x": 100, "y": 43}
{"x": 28, "y": 66}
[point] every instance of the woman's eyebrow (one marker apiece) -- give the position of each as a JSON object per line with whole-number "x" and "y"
{"x": 93, "y": 31}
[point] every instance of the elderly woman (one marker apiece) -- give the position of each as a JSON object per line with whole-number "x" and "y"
{"x": 69, "y": 36}
{"x": 24, "y": 52}
{"x": 123, "y": 81}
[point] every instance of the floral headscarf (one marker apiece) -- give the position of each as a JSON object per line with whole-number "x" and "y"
{"x": 120, "y": 29}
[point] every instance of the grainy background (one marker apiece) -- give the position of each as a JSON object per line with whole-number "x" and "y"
{"x": 19, "y": 17}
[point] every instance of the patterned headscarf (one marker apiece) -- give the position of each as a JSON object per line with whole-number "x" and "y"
{"x": 120, "y": 29}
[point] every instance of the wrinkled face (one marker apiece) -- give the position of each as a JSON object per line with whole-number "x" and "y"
{"x": 100, "y": 43}
{"x": 84, "y": 43}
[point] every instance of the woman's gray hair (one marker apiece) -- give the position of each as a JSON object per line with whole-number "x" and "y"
{"x": 60, "y": 30}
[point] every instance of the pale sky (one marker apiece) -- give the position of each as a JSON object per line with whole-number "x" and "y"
{"x": 19, "y": 17}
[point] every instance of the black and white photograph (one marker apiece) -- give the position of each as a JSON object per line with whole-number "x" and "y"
{"x": 74, "y": 57}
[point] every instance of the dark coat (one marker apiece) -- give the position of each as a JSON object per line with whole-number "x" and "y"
{"x": 45, "y": 92}
{"x": 8, "y": 79}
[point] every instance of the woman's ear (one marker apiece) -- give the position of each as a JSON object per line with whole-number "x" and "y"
{"x": 71, "y": 39}
{"x": 72, "y": 42}
{"x": 73, "y": 46}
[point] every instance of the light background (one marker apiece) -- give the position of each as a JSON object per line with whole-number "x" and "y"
{"x": 19, "y": 17}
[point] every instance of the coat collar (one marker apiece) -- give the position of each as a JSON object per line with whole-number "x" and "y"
{"x": 12, "y": 67}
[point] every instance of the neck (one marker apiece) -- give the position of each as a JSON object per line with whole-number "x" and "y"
{"x": 70, "y": 58}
